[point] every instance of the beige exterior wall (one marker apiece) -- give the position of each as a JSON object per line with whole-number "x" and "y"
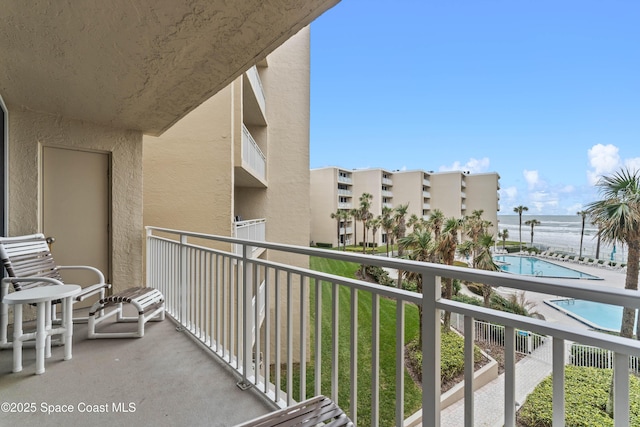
{"x": 196, "y": 177}
{"x": 370, "y": 181}
{"x": 407, "y": 190}
{"x": 324, "y": 201}
{"x": 446, "y": 193}
{"x": 29, "y": 131}
{"x": 482, "y": 194}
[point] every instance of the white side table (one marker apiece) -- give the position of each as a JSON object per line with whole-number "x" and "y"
{"x": 42, "y": 296}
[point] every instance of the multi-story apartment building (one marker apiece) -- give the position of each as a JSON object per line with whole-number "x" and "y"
{"x": 331, "y": 192}
{"x": 456, "y": 194}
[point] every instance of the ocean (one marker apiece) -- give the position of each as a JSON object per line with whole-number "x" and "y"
{"x": 560, "y": 233}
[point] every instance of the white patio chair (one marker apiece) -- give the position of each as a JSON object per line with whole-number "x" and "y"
{"x": 26, "y": 260}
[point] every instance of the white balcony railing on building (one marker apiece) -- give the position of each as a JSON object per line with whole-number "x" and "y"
{"x": 344, "y": 205}
{"x": 211, "y": 293}
{"x": 388, "y": 205}
{"x": 256, "y": 84}
{"x": 386, "y": 193}
{"x": 252, "y": 155}
{"x": 426, "y": 206}
{"x": 345, "y": 192}
{"x": 253, "y": 229}
{"x": 426, "y": 194}
{"x": 346, "y": 230}
{"x": 344, "y": 179}
{"x": 464, "y": 183}
{"x": 387, "y": 181}
{"x": 426, "y": 182}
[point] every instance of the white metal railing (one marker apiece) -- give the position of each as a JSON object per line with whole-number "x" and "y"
{"x": 345, "y": 192}
{"x": 426, "y": 194}
{"x": 386, "y": 193}
{"x": 426, "y": 206}
{"x": 346, "y": 230}
{"x": 253, "y": 229}
{"x": 426, "y": 182}
{"x": 586, "y": 355}
{"x": 344, "y": 205}
{"x": 211, "y": 291}
{"x": 252, "y": 155}
{"x": 387, "y": 181}
{"x": 387, "y": 205}
{"x": 344, "y": 179}
{"x": 256, "y": 84}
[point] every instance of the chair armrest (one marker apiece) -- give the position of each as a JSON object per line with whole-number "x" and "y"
{"x": 91, "y": 290}
{"x": 84, "y": 267}
{"x": 7, "y": 280}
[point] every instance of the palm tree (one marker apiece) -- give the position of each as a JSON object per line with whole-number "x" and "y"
{"x": 436, "y": 220}
{"x": 355, "y": 214}
{"x": 519, "y": 210}
{"x": 504, "y": 235}
{"x": 365, "y": 215}
{"x": 584, "y": 217}
{"x": 337, "y": 215}
{"x": 399, "y": 230}
{"x": 447, "y": 250}
{"x": 532, "y": 223}
{"x": 375, "y": 225}
{"x": 484, "y": 261}
{"x": 386, "y": 224}
{"x": 618, "y": 219}
{"x": 421, "y": 247}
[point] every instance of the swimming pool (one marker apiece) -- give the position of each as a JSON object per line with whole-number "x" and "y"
{"x": 532, "y": 266}
{"x": 594, "y": 314}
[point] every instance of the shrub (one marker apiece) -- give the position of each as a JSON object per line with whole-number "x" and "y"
{"x": 380, "y": 275}
{"x": 587, "y": 391}
{"x": 451, "y": 356}
{"x": 323, "y": 245}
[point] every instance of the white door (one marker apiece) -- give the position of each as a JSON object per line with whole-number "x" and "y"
{"x": 76, "y": 209}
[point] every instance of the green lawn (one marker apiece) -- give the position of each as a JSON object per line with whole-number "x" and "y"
{"x": 387, "y": 348}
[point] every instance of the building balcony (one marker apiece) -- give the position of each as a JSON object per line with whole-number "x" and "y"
{"x": 210, "y": 297}
{"x": 342, "y": 192}
{"x": 386, "y": 193}
{"x": 426, "y": 206}
{"x": 253, "y": 171}
{"x": 426, "y": 194}
{"x": 387, "y": 205}
{"x": 426, "y": 182}
{"x": 387, "y": 181}
{"x": 253, "y": 229}
{"x": 254, "y": 103}
{"x": 345, "y": 180}
{"x": 344, "y": 205}
{"x": 347, "y": 230}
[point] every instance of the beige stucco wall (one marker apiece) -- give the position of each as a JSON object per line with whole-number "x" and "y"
{"x": 446, "y": 193}
{"x": 324, "y": 201}
{"x": 407, "y": 189}
{"x": 482, "y": 194}
{"x": 188, "y": 172}
{"x": 29, "y": 131}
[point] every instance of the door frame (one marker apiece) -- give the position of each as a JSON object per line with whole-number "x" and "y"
{"x": 4, "y": 159}
{"x": 108, "y": 273}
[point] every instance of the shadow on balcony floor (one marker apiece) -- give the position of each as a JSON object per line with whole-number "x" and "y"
{"x": 165, "y": 378}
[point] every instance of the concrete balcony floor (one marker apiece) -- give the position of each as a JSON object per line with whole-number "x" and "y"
{"x": 166, "y": 376}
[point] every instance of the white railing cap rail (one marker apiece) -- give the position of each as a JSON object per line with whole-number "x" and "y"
{"x": 592, "y": 292}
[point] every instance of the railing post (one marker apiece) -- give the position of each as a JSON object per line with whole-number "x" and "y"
{"x": 620, "y": 390}
{"x": 184, "y": 279}
{"x": 246, "y": 327}
{"x": 430, "y": 350}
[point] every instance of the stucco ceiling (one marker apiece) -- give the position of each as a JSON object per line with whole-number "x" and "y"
{"x": 136, "y": 64}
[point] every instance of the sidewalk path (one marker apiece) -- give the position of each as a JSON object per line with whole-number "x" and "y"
{"x": 489, "y": 400}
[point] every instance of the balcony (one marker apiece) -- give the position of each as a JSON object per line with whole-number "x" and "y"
{"x": 426, "y": 206}
{"x": 253, "y": 172}
{"x": 344, "y": 205}
{"x": 253, "y": 98}
{"x": 387, "y": 205}
{"x": 343, "y": 192}
{"x": 347, "y": 230}
{"x": 253, "y": 229}
{"x": 426, "y": 182}
{"x": 345, "y": 179}
{"x": 426, "y": 194}
{"x": 386, "y": 193}
{"x": 387, "y": 181}
{"x": 210, "y": 296}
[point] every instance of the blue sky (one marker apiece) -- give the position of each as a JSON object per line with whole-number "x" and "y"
{"x": 546, "y": 93}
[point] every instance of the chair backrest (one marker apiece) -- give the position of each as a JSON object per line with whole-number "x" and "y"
{"x": 28, "y": 256}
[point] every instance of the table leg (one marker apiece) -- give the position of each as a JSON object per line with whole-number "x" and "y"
{"x": 41, "y": 337}
{"x": 47, "y": 328}
{"x": 17, "y": 338}
{"x": 67, "y": 321}
{"x": 4, "y": 314}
